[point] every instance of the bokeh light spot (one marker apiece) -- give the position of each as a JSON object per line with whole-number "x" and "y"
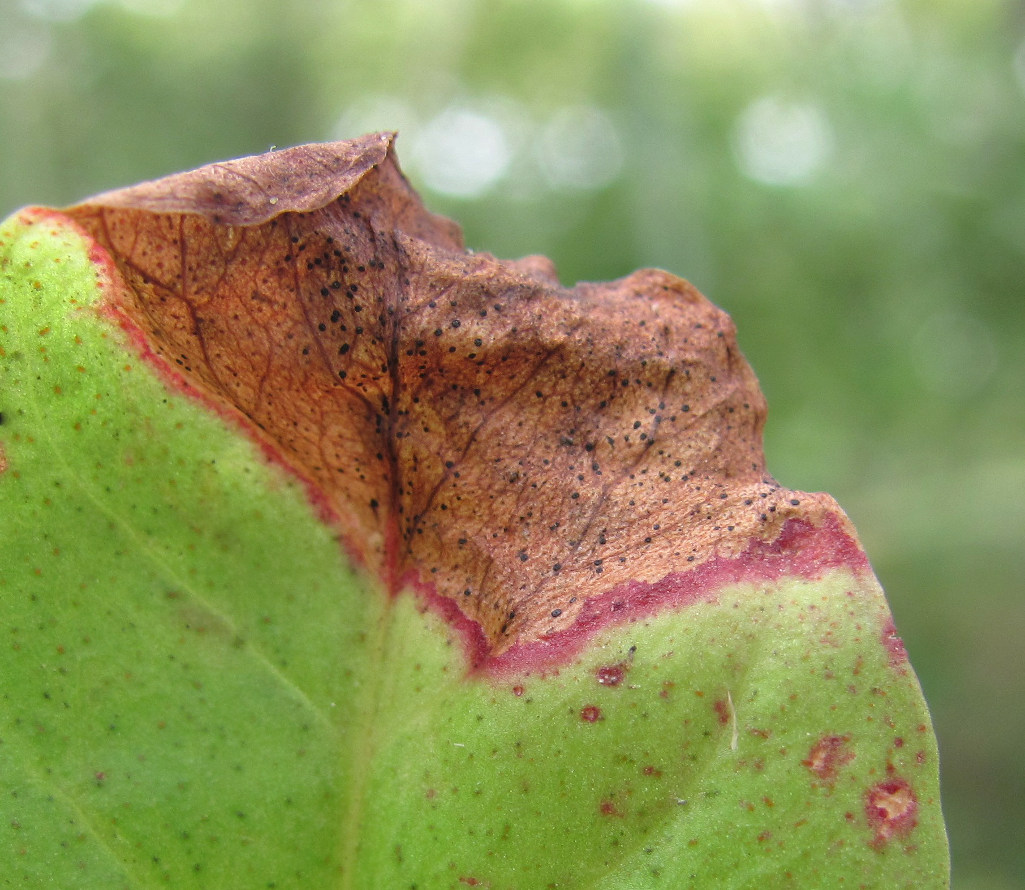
{"x": 57, "y": 10}
{"x": 779, "y": 142}
{"x": 154, "y": 8}
{"x": 24, "y": 49}
{"x": 376, "y": 113}
{"x": 463, "y": 152}
{"x": 1019, "y": 65}
{"x": 580, "y": 148}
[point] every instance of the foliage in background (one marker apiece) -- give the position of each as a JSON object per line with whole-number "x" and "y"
{"x": 846, "y": 174}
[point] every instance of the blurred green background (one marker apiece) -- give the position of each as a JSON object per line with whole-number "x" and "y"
{"x": 846, "y": 177}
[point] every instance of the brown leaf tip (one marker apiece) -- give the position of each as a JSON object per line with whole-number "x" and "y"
{"x": 519, "y": 446}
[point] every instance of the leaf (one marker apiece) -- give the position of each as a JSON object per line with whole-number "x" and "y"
{"x": 575, "y": 635}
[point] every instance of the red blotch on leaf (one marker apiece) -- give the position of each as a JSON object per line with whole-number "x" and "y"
{"x": 590, "y": 714}
{"x": 722, "y": 709}
{"x": 894, "y": 645}
{"x": 827, "y": 755}
{"x": 891, "y": 809}
{"x": 610, "y": 675}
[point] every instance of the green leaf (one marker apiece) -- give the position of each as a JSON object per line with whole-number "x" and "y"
{"x": 202, "y": 689}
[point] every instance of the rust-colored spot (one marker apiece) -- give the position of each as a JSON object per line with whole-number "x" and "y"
{"x": 610, "y": 675}
{"x": 891, "y": 809}
{"x": 827, "y": 756}
{"x": 722, "y": 710}
{"x": 590, "y": 714}
{"x": 608, "y": 808}
{"x": 894, "y": 646}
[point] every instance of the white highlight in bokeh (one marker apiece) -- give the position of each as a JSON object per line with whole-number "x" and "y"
{"x": 579, "y": 148}
{"x": 462, "y": 152}
{"x": 1019, "y": 65}
{"x": 24, "y": 49}
{"x": 474, "y": 146}
{"x": 781, "y": 142}
{"x": 155, "y": 8}
{"x": 376, "y": 113}
{"x": 57, "y": 10}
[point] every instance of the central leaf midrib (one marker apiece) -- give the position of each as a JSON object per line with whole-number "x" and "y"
{"x": 379, "y": 682}
{"x": 366, "y": 736}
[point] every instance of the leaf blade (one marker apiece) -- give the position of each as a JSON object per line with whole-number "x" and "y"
{"x": 96, "y": 590}
{"x": 408, "y": 762}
